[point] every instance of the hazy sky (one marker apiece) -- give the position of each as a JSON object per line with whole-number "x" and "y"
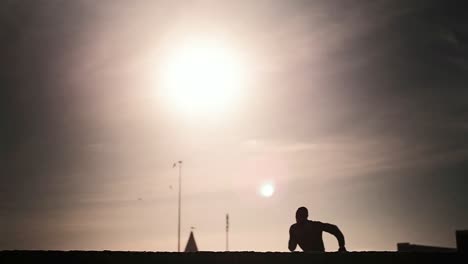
{"x": 357, "y": 110}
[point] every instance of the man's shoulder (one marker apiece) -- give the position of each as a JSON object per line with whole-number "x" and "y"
{"x": 293, "y": 226}
{"x": 296, "y": 227}
{"x": 316, "y": 224}
{"x": 308, "y": 222}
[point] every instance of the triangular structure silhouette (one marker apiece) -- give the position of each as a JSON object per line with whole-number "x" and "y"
{"x": 191, "y": 244}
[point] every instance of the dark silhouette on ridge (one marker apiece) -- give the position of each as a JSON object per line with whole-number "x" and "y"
{"x": 462, "y": 240}
{"x": 191, "y": 244}
{"x": 308, "y": 234}
{"x": 407, "y": 247}
{"x": 462, "y": 245}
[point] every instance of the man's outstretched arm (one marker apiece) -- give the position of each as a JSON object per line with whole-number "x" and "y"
{"x": 334, "y": 230}
{"x": 292, "y": 240}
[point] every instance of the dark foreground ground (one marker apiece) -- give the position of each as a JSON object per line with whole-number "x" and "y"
{"x": 115, "y": 257}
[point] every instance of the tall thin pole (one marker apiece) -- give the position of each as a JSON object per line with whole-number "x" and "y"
{"x": 180, "y": 192}
{"x": 227, "y": 232}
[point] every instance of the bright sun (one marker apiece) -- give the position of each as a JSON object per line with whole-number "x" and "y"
{"x": 267, "y": 190}
{"x": 203, "y": 77}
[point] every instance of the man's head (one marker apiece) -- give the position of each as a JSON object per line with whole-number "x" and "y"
{"x": 301, "y": 214}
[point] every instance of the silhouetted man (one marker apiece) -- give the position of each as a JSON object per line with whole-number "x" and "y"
{"x": 308, "y": 234}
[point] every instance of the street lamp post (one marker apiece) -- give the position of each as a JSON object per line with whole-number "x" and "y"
{"x": 179, "y": 164}
{"x": 227, "y": 232}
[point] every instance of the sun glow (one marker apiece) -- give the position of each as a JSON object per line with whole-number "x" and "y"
{"x": 267, "y": 190}
{"x": 203, "y": 77}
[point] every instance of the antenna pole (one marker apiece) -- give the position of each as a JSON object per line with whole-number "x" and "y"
{"x": 227, "y": 232}
{"x": 180, "y": 192}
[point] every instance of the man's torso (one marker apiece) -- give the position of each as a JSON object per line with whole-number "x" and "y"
{"x": 309, "y": 235}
